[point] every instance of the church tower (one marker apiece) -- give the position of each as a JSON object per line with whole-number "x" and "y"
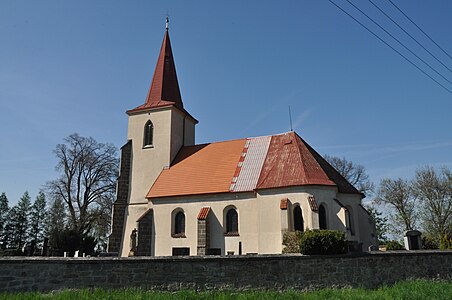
{"x": 157, "y": 130}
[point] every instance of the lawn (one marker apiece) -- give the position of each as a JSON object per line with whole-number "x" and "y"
{"x": 419, "y": 289}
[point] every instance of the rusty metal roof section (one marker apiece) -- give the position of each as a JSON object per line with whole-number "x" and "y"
{"x": 289, "y": 163}
{"x": 203, "y": 213}
{"x": 342, "y": 184}
{"x": 243, "y": 165}
{"x": 250, "y": 168}
{"x": 164, "y": 90}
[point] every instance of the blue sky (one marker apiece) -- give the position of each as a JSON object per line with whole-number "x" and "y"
{"x": 77, "y": 66}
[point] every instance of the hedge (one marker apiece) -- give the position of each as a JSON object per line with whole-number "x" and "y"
{"x": 323, "y": 242}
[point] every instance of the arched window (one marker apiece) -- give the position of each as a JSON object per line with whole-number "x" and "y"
{"x": 298, "y": 223}
{"x": 349, "y": 219}
{"x": 322, "y": 217}
{"x": 232, "y": 222}
{"x": 148, "y": 134}
{"x": 179, "y": 224}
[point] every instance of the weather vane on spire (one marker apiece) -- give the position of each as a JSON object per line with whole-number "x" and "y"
{"x": 167, "y": 22}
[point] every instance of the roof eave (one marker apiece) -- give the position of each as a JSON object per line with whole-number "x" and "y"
{"x": 196, "y": 194}
{"x": 139, "y": 109}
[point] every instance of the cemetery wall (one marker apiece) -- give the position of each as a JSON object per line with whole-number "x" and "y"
{"x": 276, "y": 272}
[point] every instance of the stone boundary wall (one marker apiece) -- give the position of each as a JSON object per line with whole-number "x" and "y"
{"x": 275, "y": 272}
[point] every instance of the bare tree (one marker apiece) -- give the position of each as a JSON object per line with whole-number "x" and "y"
{"x": 88, "y": 172}
{"x": 399, "y": 196}
{"x": 433, "y": 191}
{"x": 354, "y": 173}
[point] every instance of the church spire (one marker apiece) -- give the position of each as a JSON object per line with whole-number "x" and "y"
{"x": 164, "y": 89}
{"x": 164, "y": 86}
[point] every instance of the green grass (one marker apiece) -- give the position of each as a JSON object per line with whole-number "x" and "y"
{"x": 419, "y": 289}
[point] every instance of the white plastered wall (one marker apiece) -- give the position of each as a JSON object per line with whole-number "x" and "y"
{"x": 259, "y": 216}
{"x": 366, "y": 224}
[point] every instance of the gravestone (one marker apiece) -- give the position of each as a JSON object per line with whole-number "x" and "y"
{"x": 412, "y": 240}
{"x": 373, "y": 248}
{"x": 45, "y": 247}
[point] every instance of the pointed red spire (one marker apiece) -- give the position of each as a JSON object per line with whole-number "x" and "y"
{"x": 164, "y": 89}
{"x": 164, "y": 86}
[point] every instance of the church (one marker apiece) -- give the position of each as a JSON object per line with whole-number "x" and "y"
{"x": 233, "y": 197}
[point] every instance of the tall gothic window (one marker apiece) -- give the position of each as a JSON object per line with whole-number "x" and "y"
{"x": 232, "y": 222}
{"x": 322, "y": 217}
{"x": 179, "y": 224}
{"x": 298, "y": 223}
{"x": 148, "y": 134}
{"x": 349, "y": 219}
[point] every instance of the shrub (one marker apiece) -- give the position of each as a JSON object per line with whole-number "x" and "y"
{"x": 291, "y": 240}
{"x": 428, "y": 242}
{"x": 446, "y": 242}
{"x": 394, "y": 245}
{"x": 322, "y": 242}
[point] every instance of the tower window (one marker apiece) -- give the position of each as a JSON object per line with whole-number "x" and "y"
{"x": 232, "y": 222}
{"x": 148, "y": 134}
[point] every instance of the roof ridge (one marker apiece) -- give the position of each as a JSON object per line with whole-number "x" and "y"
{"x": 267, "y": 135}
{"x": 247, "y": 138}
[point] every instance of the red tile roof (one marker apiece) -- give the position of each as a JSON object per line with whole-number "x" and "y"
{"x": 313, "y": 203}
{"x": 201, "y": 169}
{"x": 287, "y": 160}
{"x": 203, "y": 213}
{"x": 284, "y": 204}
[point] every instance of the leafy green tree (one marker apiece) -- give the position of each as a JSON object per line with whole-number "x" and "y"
{"x": 38, "y": 217}
{"x": 20, "y": 221}
{"x": 433, "y": 191}
{"x": 4, "y": 210}
{"x": 381, "y": 224}
{"x": 10, "y": 228}
{"x": 55, "y": 221}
